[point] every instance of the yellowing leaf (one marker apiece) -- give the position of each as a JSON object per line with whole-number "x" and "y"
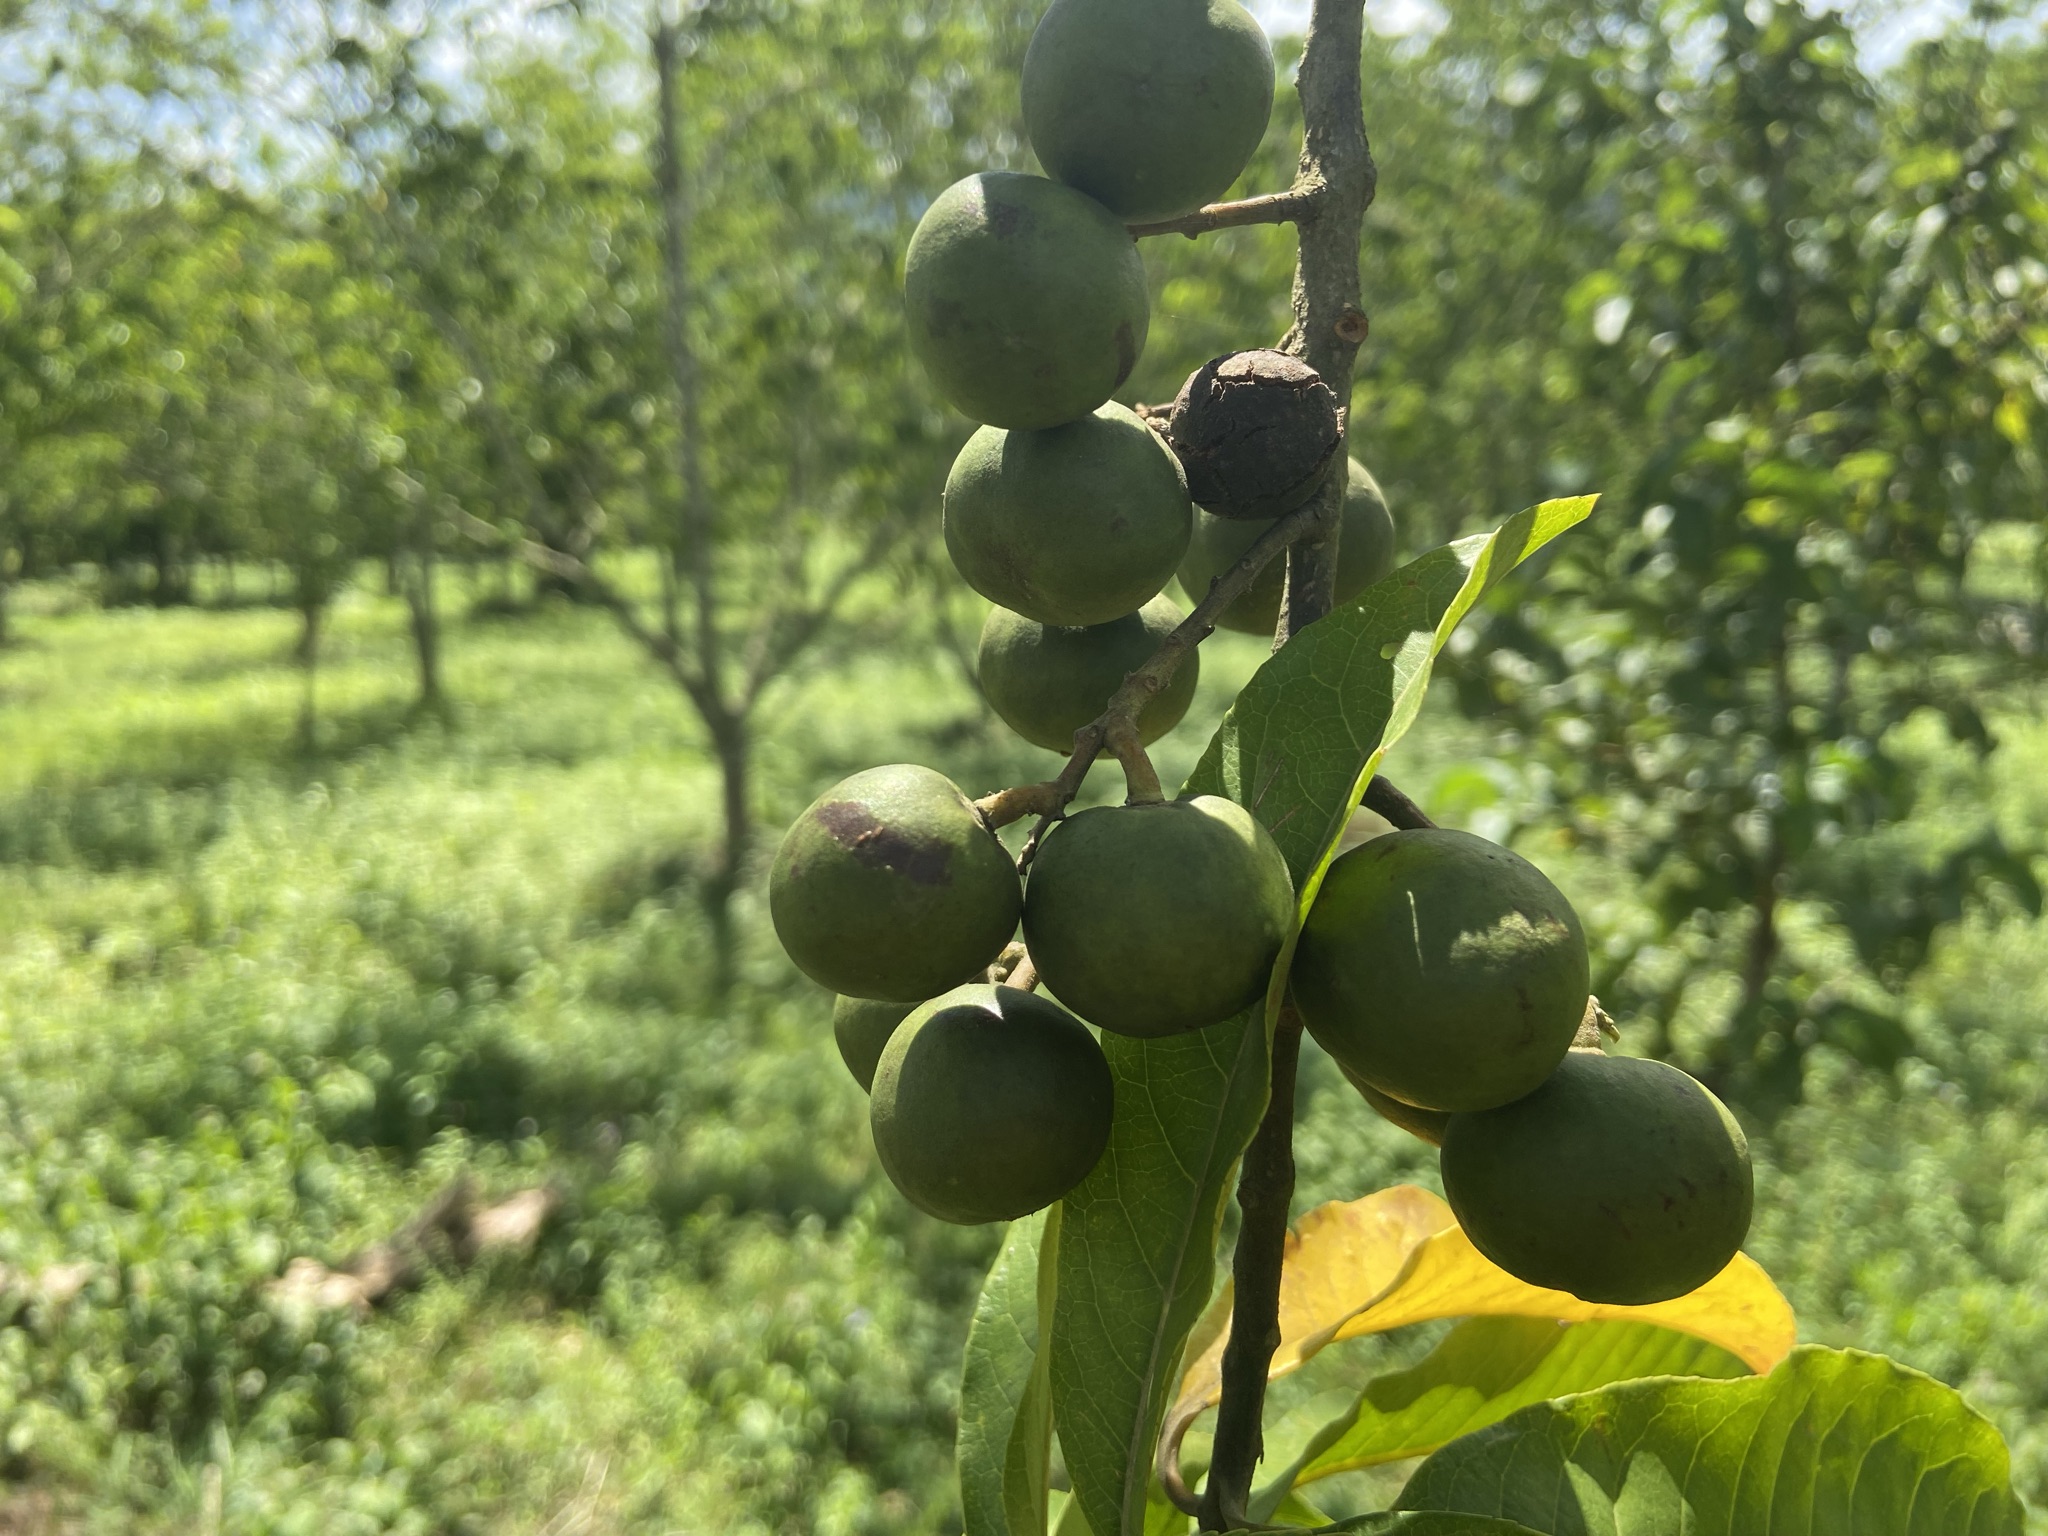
{"x": 1739, "y": 1309}
{"x": 1398, "y": 1257}
{"x": 1336, "y": 1254}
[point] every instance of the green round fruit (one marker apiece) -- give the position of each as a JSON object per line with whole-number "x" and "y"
{"x": 891, "y": 886}
{"x": 1365, "y": 553}
{"x": 1152, "y": 107}
{"x": 862, "y": 1026}
{"x": 1025, "y": 300}
{"x": 1619, "y": 1180}
{"x": 1428, "y": 1124}
{"x": 990, "y": 1103}
{"x": 1046, "y": 682}
{"x": 1443, "y": 969}
{"x": 1074, "y": 525}
{"x": 1154, "y": 919}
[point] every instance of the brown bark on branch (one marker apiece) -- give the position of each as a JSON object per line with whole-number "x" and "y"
{"x": 1290, "y": 207}
{"x": 1328, "y": 327}
{"x": 1265, "y": 1192}
{"x": 1117, "y": 726}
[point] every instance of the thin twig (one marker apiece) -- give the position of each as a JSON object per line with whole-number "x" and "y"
{"x": 1265, "y": 1192}
{"x": 1116, "y": 726}
{"x": 1294, "y": 206}
{"x": 1328, "y": 326}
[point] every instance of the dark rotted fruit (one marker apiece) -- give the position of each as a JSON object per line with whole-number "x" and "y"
{"x": 1078, "y": 524}
{"x": 1619, "y": 1180}
{"x": 1428, "y": 1124}
{"x": 1025, "y": 300}
{"x": 1046, "y": 682}
{"x": 1152, "y": 107}
{"x": 1443, "y": 969}
{"x": 1155, "y": 919}
{"x": 990, "y": 1103}
{"x": 1255, "y": 432}
{"x": 892, "y": 887}
{"x": 1365, "y": 553}
{"x": 862, "y": 1026}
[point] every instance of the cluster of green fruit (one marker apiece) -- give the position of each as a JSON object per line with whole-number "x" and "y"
{"x": 1447, "y": 976}
{"x": 1026, "y": 303}
{"x": 989, "y": 1101}
{"x": 1449, "y": 979}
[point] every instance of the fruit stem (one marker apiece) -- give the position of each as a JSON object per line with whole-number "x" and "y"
{"x": 1141, "y": 779}
{"x": 1014, "y": 804}
{"x": 1384, "y": 799}
{"x": 1295, "y": 205}
{"x": 1265, "y": 1194}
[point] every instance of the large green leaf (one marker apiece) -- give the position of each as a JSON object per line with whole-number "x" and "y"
{"x": 1138, "y": 1257}
{"x": 1831, "y": 1443}
{"x": 1138, "y": 1242}
{"x": 1311, "y": 726}
{"x": 1485, "y": 1369}
{"x": 1005, "y": 1398}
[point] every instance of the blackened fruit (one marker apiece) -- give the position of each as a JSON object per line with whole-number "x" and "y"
{"x": 1047, "y": 681}
{"x": 1077, "y": 524}
{"x": 990, "y": 1103}
{"x": 1150, "y": 106}
{"x": 1619, "y": 1180}
{"x": 1025, "y": 300}
{"x": 1155, "y": 919}
{"x": 861, "y": 1027}
{"x": 1255, "y": 431}
{"x": 1365, "y": 553}
{"x": 1441, "y": 968}
{"x": 891, "y": 886}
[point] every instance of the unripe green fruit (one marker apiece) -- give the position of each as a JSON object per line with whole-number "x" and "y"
{"x": 990, "y": 1103}
{"x": 1619, "y": 1180}
{"x": 1154, "y": 919}
{"x": 862, "y": 1026}
{"x": 1365, "y": 553}
{"x": 1152, "y": 107}
{"x": 891, "y": 886}
{"x": 1427, "y": 1124}
{"x": 1025, "y": 300}
{"x": 1078, "y": 524}
{"x": 1046, "y": 682}
{"x": 1443, "y": 969}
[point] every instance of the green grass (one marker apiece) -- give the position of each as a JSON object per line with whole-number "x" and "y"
{"x": 258, "y": 1003}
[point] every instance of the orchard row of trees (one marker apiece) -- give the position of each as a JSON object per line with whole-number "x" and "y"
{"x": 401, "y": 281}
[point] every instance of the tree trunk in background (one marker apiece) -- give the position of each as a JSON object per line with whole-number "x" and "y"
{"x": 6, "y": 589}
{"x": 416, "y": 580}
{"x": 724, "y": 717}
{"x": 732, "y": 741}
{"x": 312, "y": 610}
{"x": 173, "y": 587}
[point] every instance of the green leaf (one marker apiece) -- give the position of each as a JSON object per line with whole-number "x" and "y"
{"x": 1310, "y": 728}
{"x": 1830, "y": 1441}
{"x": 1005, "y": 1398}
{"x": 1138, "y": 1258}
{"x": 1485, "y": 1369}
{"x": 1138, "y": 1242}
